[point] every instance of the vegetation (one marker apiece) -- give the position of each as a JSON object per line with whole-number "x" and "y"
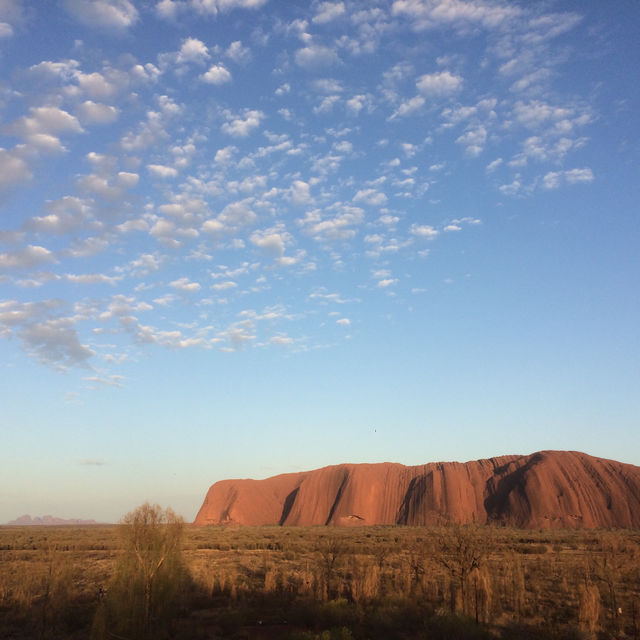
{"x": 152, "y": 577}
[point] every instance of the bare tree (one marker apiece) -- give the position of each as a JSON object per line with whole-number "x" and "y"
{"x": 148, "y": 575}
{"x": 463, "y": 550}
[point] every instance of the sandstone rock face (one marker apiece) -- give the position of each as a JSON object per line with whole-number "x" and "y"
{"x": 545, "y": 490}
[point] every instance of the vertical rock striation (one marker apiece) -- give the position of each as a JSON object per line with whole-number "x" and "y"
{"x": 548, "y": 489}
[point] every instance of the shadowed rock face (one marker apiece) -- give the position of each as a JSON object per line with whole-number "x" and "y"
{"x": 545, "y": 490}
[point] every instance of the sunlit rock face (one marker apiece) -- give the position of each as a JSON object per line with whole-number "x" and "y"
{"x": 545, "y": 490}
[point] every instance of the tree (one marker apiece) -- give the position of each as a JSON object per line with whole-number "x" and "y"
{"x": 140, "y": 597}
{"x": 463, "y": 552}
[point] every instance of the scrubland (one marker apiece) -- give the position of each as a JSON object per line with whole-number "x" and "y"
{"x": 318, "y": 583}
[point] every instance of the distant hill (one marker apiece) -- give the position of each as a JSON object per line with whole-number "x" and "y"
{"x": 48, "y": 521}
{"x": 544, "y": 490}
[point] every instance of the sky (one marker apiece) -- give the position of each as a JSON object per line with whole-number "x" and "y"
{"x": 241, "y": 238}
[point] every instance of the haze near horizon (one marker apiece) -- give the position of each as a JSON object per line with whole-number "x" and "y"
{"x": 241, "y": 238}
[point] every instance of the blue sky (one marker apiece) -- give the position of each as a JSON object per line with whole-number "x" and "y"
{"x": 247, "y": 237}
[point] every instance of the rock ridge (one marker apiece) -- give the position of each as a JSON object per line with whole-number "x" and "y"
{"x": 543, "y": 490}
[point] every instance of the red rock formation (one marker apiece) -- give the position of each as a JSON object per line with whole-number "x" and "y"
{"x": 549, "y": 489}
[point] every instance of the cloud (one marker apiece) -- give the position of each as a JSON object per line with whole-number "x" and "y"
{"x": 64, "y": 215}
{"x": 26, "y": 258}
{"x": 47, "y": 120}
{"x": 193, "y": 51}
{"x": 387, "y": 282}
{"x": 169, "y": 9}
{"x": 573, "y": 176}
{"x": 13, "y": 169}
{"x": 300, "y": 192}
{"x": 103, "y": 14}
{"x": 473, "y": 140}
{"x": 343, "y": 322}
{"x": 50, "y": 338}
{"x": 55, "y": 342}
{"x": 92, "y": 278}
{"x": 272, "y": 242}
{"x": 337, "y": 227}
{"x": 237, "y": 52}
{"x": 97, "y": 113}
{"x": 184, "y": 284}
{"x": 554, "y": 179}
{"x": 427, "y": 14}
{"x": 328, "y": 11}
{"x": 371, "y": 197}
{"x": 216, "y": 75}
{"x": 162, "y": 171}
{"x": 409, "y": 106}
{"x": 423, "y": 231}
{"x": 441, "y": 83}
{"x": 315, "y": 57}
{"x": 239, "y": 126}
{"x": 223, "y": 286}
{"x": 238, "y": 214}
{"x": 492, "y": 166}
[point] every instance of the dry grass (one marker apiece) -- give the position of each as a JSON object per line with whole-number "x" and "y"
{"x": 363, "y": 580}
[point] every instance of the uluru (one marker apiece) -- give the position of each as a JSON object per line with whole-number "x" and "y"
{"x": 543, "y": 490}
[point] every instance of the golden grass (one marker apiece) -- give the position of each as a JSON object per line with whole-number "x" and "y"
{"x": 50, "y": 577}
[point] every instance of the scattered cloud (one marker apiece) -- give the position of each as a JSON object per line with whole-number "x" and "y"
{"x": 103, "y": 14}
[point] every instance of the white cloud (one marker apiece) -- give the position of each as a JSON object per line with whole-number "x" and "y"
{"x": 474, "y": 140}
{"x": 193, "y": 51}
{"x": 554, "y": 179}
{"x": 223, "y": 286}
{"x": 441, "y": 83}
{"x": 46, "y": 120}
{"x": 169, "y": 9}
{"x": 387, "y": 282}
{"x": 573, "y": 176}
{"x": 370, "y": 196}
{"x": 426, "y": 14}
{"x": 26, "y": 258}
{"x": 224, "y": 156}
{"x": 6, "y": 30}
{"x": 13, "y": 169}
{"x": 492, "y": 166}
{"x": 97, "y": 113}
{"x": 63, "y": 216}
{"x": 328, "y": 11}
{"x": 239, "y": 126}
{"x": 109, "y": 14}
{"x": 237, "y": 52}
{"x": 161, "y": 171}
{"x": 343, "y": 322}
{"x": 238, "y": 214}
{"x": 216, "y": 75}
{"x": 423, "y": 230}
{"x": 95, "y": 85}
{"x": 337, "y": 227}
{"x": 357, "y": 103}
{"x": 271, "y": 242}
{"x": 184, "y": 284}
{"x": 281, "y": 340}
{"x": 92, "y": 278}
{"x": 316, "y": 57}
{"x": 408, "y": 107}
{"x": 300, "y": 192}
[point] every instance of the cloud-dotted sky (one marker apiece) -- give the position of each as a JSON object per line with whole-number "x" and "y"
{"x": 417, "y": 212}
